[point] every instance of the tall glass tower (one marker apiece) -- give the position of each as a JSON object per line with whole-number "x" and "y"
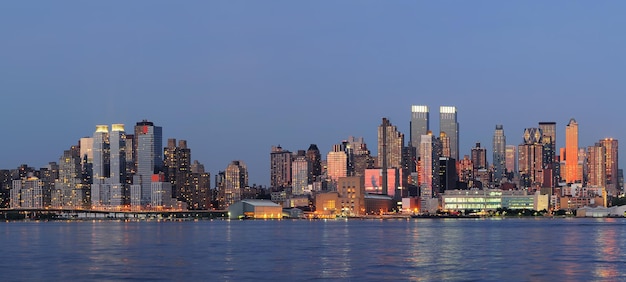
{"x": 149, "y": 140}
{"x": 419, "y": 125}
{"x": 449, "y": 125}
{"x": 499, "y": 152}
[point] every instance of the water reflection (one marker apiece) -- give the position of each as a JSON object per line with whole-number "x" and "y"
{"x": 416, "y": 250}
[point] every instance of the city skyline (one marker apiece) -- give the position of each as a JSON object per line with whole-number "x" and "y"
{"x": 236, "y": 79}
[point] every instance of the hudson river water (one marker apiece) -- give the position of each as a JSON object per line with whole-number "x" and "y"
{"x": 509, "y": 249}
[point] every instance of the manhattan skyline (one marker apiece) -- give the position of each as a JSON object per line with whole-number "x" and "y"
{"x": 235, "y": 79}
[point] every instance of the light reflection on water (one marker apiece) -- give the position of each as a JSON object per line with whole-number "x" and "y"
{"x": 413, "y": 250}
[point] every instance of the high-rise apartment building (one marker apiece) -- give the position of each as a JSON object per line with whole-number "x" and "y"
{"x": 280, "y": 168}
{"x": 429, "y": 169}
{"x": 149, "y": 157}
{"x": 479, "y": 157}
{"x": 177, "y": 164}
{"x": 572, "y": 171}
{"x": 499, "y": 153}
{"x": 68, "y": 187}
{"x": 511, "y": 159}
{"x": 390, "y": 143}
{"x": 612, "y": 165}
{"x": 337, "y": 163}
{"x": 448, "y": 124}
{"x": 27, "y": 193}
{"x": 300, "y": 175}
{"x": 596, "y": 166}
{"x": 419, "y": 125}
{"x": 201, "y": 196}
{"x": 236, "y": 178}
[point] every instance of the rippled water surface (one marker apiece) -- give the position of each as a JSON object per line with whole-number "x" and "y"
{"x": 356, "y": 250}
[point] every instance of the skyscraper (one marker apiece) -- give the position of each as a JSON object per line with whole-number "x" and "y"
{"x": 479, "y": 157}
{"x": 314, "y": 157}
{"x": 448, "y": 124}
{"x": 499, "y": 153}
{"x": 300, "y": 174}
{"x": 337, "y": 163}
{"x": 548, "y": 130}
{"x": 390, "y": 143}
{"x": 612, "y": 162}
{"x": 280, "y": 168}
{"x": 177, "y": 164}
{"x": 236, "y": 178}
{"x": 596, "y": 166}
{"x": 101, "y": 156}
{"x": 511, "y": 159}
{"x": 530, "y": 158}
{"x": 117, "y": 176}
{"x": 571, "y": 171}
{"x": 429, "y": 169}
{"x": 149, "y": 141}
{"x": 419, "y": 125}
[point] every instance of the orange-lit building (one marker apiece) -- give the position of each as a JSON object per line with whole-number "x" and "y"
{"x": 571, "y": 172}
{"x": 351, "y": 195}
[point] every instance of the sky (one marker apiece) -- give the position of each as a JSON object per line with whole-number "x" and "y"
{"x": 234, "y": 78}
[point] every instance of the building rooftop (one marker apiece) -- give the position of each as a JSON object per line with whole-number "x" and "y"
{"x": 260, "y": 203}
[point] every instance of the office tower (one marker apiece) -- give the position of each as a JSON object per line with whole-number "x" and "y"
{"x": 177, "y": 164}
{"x": 571, "y": 170}
{"x": 149, "y": 157}
{"x": 300, "y": 173}
{"x": 336, "y": 163}
{"x": 419, "y": 125}
{"x": 448, "y": 124}
{"x": 101, "y": 155}
{"x": 511, "y": 159}
{"x": 596, "y": 166}
{"x": 280, "y": 168}
{"x": 314, "y": 157}
{"x": 530, "y": 158}
{"x": 351, "y": 192}
{"x": 612, "y": 165}
{"x": 236, "y": 178}
{"x": 548, "y": 130}
{"x": 499, "y": 153}
{"x": 429, "y": 169}
{"x": 479, "y": 158}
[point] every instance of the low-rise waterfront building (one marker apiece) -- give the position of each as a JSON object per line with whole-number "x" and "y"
{"x": 254, "y": 208}
{"x": 493, "y": 199}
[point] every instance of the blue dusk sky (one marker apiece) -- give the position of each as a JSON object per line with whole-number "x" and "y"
{"x": 236, "y": 77}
